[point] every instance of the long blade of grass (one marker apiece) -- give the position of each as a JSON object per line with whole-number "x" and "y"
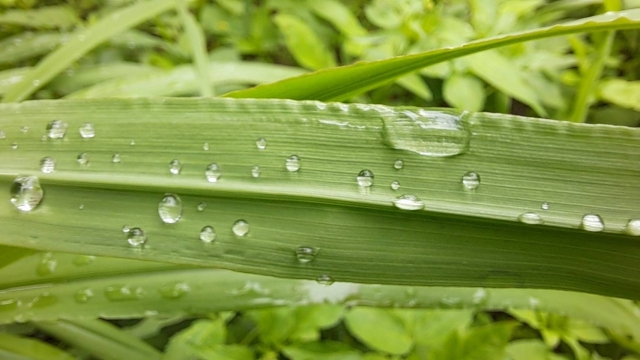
{"x": 198, "y": 45}
{"x": 583, "y": 241}
{"x": 29, "y": 348}
{"x": 330, "y": 84}
{"x": 46, "y": 17}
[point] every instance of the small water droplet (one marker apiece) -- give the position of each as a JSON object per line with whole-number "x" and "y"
{"x": 174, "y": 291}
{"x": 47, "y": 165}
{"x": 87, "y": 131}
{"x": 534, "y": 303}
{"x": 124, "y": 293}
{"x": 136, "y": 237}
{"x": 530, "y": 218}
{"x": 175, "y": 166}
{"x": 116, "y": 158}
{"x": 26, "y": 193}
{"x": 83, "y": 159}
{"x": 201, "y": 206}
{"x": 212, "y": 173}
{"x": 47, "y": 264}
{"x": 83, "y": 295}
{"x": 479, "y": 297}
{"x": 205, "y": 147}
{"x": 450, "y": 301}
{"x": 14, "y": 146}
{"x": 633, "y": 227}
{"x": 43, "y": 138}
{"x": 395, "y": 185}
{"x": 36, "y": 82}
{"x": 24, "y": 129}
{"x": 293, "y": 163}
{"x": 365, "y": 178}
{"x": 255, "y": 171}
{"x": 56, "y": 129}
{"x": 2, "y": 135}
{"x": 82, "y": 260}
{"x": 207, "y": 234}
{"x": 81, "y": 207}
{"x": 408, "y": 202}
{"x": 398, "y": 164}
{"x": 240, "y": 228}
{"x": 261, "y": 143}
{"x": 306, "y": 254}
{"x": 592, "y": 222}
{"x": 471, "y": 180}
{"x": 125, "y": 229}
{"x": 325, "y": 280}
{"x": 133, "y": 142}
{"x": 170, "y": 209}
{"x": 544, "y": 206}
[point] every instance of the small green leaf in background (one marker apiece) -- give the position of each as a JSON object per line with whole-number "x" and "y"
{"x": 485, "y": 342}
{"x": 379, "y": 329}
{"x": 621, "y": 92}
{"x": 304, "y": 44}
{"x": 205, "y": 339}
{"x": 531, "y": 349}
{"x": 28, "y": 45}
{"x": 338, "y": 15}
{"x": 465, "y": 92}
{"x": 29, "y": 348}
{"x": 326, "y": 350}
{"x": 46, "y": 17}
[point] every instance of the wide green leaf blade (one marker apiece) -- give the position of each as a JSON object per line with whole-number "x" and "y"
{"x": 330, "y": 84}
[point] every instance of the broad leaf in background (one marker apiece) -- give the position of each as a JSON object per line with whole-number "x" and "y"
{"x": 380, "y": 329}
{"x": 464, "y": 92}
{"x": 531, "y": 349}
{"x": 620, "y": 92}
{"x": 485, "y": 342}
{"x": 305, "y": 46}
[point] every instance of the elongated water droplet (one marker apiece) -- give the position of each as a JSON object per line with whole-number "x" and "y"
{"x": 83, "y": 159}
{"x": 174, "y": 291}
{"x": 240, "y": 228}
{"x": 2, "y": 135}
{"x": 530, "y": 218}
{"x": 633, "y": 227}
{"x": 471, "y": 180}
{"x": 47, "y": 165}
{"x": 408, "y": 202}
{"x": 592, "y": 222}
{"x": 83, "y": 295}
{"x": 116, "y": 158}
{"x": 87, "y": 131}
{"x": 56, "y": 129}
{"x": 365, "y": 178}
{"x": 212, "y": 173}
{"x": 14, "y": 146}
{"x": 261, "y": 143}
{"x": 136, "y": 237}
{"x": 325, "y": 280}
{"x": 306, "y": 254}
{"x": 24, "y": 129}
{"x": 395, "y": 185}
{"x": 207, "y": 234}
{"x": 293, "y": 163}
{"x": 26, "y": 193}
{"x": 124, "y": 293}
{"x": 255, "y": 171}
{"x": 430, "y": 133}
{"x": 170, "y": 209}
{"x": 205, "y": 147}
{"x": 175, "y": 166}
{"x": 201, "y": 206}
{"x": 398, "y": 164}
{"x": 544, "y": 206}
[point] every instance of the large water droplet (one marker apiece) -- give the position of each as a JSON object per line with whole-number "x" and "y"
{"x": 207, "y": 234}
{"x": 87, "y": 131}
{"x": 261, "y": 143}
{"x": 240, "y": 228}
{"x": 124, "y": 293}
{"x": 544, "y": 206}
{"x": 116, "y": 158}
{"x": 26, "y": 193}
{"x": 530, "y": 218}
{"x": 633, "y": 227}
{"x": 174, "y": 291}
{"x": 365, "y": 178}
{"x": 471, "y": 180}
{"x": 306, "y": 254}
{"x": 398, "y": 164}
{"x": 395, "y": 185}
{"x": 212, "y": 173}
{"x": 292, "y": 163}
{"x": 431, "y": 133}
{"x": 408, "y": 202}
{"x": 136, "y": 237}
{"x": 56, "y": 129}
{"x": 325, "y": 280}
{"x": 83, "y": 159}
{"x": 255, "y": 171}
{"x": 83, "y": 295}
{"x": 47, "y": 165}
{"x": 170, "y": 209}
{"x": 175, "y": 166}
{"x": 592, "y": 222}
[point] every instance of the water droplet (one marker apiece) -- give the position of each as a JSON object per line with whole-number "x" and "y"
{"x": 325, "y": 280}
{"x": 207, "y": 234}
{"x": 398, "y": 164}
{"x": 592, "y": 222}
{"x": 2, "y": 135}
{"x": 116, "y": 158}
{"x": 87, "y": 131}
{"x": 47, "y": 165}
{"x": 26, "y": 193}
{"x": 24, "y": 129}
{"x": 133, "y": 142}
{"x": 82, "y": 260}
{"x": 240, "y": 228}
{"x": 292, "y": 163}
{"x": 261, "y": 143}
{"x": 479, "y": 297}
{"x": 534, "y": 303}
{"x": 255, "y": 171}
{"x": 126, "y": 229}
{"x": 544, "y": 206}
{"x": 174, "y": 291}
{"x": 408, "y": 202}
{"x": 56, "y": 129}
{"x": 471, "y": 180}
{"x": 81, "y": 207}
{"x": 633, "y": 227}
{"x": 83, "y": 295}
{"x": 205, "y": 147}
{"x": 395, "y": 185}
{"x": 136, "y": 237}
{"x": 14, "y": 146}
{"x": 175, "y": 166}
{"x": 123, "y": 293}
{"x": 36, "y": 82}
{"x": 365, "y": 178}
{"x": 450, "y": 301}
{"x": 530, "y": 218}
{"x": 47, "y": 265}
{"x": 431, "y": 133}
{"x": 201, "y": 206}
{"x": 306, "y": 254}
{"x": 212, "y": 173}
{"x": 170, "y": 209}
{"x": 83, "y": 159}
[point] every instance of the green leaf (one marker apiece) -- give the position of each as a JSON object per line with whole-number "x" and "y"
{"x": 28, "y": 45}
{"x": 416, "y": 85}
{"x": 330, "y": 84}
{"x": 30, "y": 348}
{"x": 530, "y": 349}
{"x": 198, "y": 44}
{"x": 379, "y": 329}
{"x": 201, "y": 335}
{"x": 11, "y": 76}
{"x": 46, "y": 17}
{"x": 338, "y": 15}
{"x": 464, "y": 92}
{"x": 620, "y": 92}
{"x": 486, "y": 342}
{"x": 304, "y": 44}
{"x": 328, "y": 350}
{"x": 434, "y": 326}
